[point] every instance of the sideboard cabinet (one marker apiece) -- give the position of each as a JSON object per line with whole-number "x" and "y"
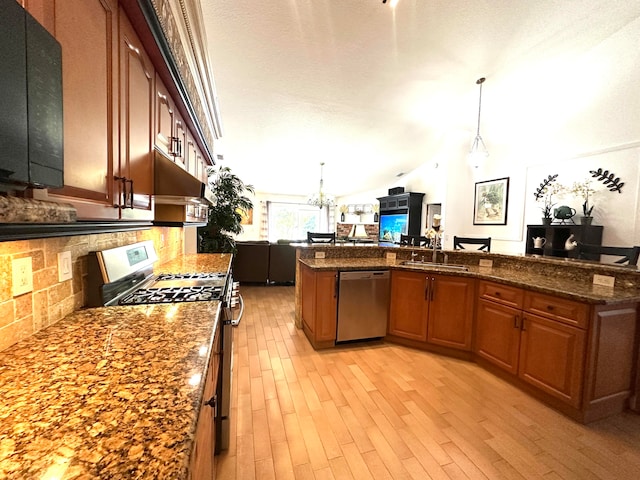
{"x": 556, "y": 237}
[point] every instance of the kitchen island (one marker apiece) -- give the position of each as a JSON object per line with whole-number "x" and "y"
{"x": 540, "y": 323}
{"x": 111, "y": 392}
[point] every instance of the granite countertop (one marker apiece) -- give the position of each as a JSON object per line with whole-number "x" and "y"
{"x": 109, "y": 392}
{"x": 543, "y": 283}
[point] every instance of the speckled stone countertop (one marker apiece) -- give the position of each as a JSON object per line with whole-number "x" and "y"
{"x": 109, "y": 392}
{"x": 539, "y": 280}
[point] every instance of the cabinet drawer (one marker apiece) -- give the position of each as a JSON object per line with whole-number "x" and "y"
{"x": 510, "y": 296}
{"x": 559, "y": 309}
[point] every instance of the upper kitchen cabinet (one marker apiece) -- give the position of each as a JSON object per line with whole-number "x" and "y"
{"x": 88, "y": 33}
{"x": 136, "y": 126}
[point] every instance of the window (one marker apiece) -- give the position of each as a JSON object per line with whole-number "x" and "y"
{"x": 292, "y": 221}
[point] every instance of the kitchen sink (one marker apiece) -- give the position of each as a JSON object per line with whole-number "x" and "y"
{"x": 439, "y": 266}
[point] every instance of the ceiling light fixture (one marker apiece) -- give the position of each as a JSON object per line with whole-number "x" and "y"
{"x": 321, "y": 199}
{"x": 478, "y": 152}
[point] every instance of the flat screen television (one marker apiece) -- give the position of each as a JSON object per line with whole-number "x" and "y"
{"x": 392, "y": 225}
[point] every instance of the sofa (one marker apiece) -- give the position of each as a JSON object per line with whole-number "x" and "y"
{"x": 262, "y": 262}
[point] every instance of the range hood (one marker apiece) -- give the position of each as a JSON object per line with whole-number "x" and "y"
{"x": 174, "y": 186}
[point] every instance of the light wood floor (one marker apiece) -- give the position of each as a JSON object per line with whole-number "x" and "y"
{"x": 384, "y": 411}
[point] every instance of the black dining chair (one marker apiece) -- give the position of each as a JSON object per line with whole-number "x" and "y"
{"x": 414, "y": 240}
{"x": 485, "y": 243}
{"x": 318, "y": 237}
{"x": 629, "y": 255}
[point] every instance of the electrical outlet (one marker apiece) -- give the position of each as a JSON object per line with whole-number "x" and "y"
{"x": 604, "y": 280}
{"x": 483, "y": 262}
{"x": 391, "y": 255}
{"x": 65, "y": 269}
{"x": 319, "y": 254}
{"x": 22, "y": 275}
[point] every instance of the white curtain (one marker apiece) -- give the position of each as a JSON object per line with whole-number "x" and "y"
{"x": 264, "y": 220}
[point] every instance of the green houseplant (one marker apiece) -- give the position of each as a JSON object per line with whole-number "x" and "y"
{"x": 225, "y": 212}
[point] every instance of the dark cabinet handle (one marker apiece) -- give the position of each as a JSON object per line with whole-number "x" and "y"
{"x": 426, "y": 289}
{"x": 124, "y": 192}
{"x": 130, "y": 193}
{"x": 516, "y": 318}
{"x": 550, "y": 308}
{"x": 522, "y": 326}
{"x": 497, "y": 294}
{"x": 433, "y": 288}
{"x": 213, "y": 403}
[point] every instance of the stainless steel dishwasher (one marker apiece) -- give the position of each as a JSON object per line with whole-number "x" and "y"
{"x": 363, "y": 305}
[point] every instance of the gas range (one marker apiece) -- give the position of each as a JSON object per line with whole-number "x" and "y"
{"x": 124, "y": 276}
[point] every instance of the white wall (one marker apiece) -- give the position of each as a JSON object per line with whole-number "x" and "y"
{"x": 565, "y": 114}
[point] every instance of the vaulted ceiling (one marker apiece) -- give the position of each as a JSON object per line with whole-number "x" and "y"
{"x": 373, "y": 91}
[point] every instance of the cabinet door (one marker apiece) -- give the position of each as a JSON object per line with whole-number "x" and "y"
{"x": 136, "y": 126}
{"x": 326, "y": 306}
{"x": 191, "y": 155}
{"x": 87, "y": 32}
{"x": 451, "y": 311}
{"x": 552, "y": 357}
{"x": 408, "y": 309}
{"x": 165, "y": 119}
{"x": 497, "y": 336}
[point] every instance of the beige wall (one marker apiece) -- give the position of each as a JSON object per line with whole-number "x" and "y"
{"x": 51, "y": 300}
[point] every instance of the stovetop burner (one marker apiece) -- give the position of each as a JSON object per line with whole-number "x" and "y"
{"x": 192, "y": 276}
{"x": 173, "y": 295}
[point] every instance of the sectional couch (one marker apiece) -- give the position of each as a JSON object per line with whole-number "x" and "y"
{"x": 262, "y": 262}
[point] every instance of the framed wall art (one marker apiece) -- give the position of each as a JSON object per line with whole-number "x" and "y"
{"x": 491, "y": 202}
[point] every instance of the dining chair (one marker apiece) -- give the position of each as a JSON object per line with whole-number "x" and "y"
{"x": 485, "y": 243}
{"x": 321, "y": 237}
{"x": 629, "y": 255}
{"x": 414, "y": 240}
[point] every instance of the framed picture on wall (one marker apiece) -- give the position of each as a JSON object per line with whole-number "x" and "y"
{"x": 491, "y": 202}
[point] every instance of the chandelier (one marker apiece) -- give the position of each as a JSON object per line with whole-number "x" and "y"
{"x": 478, "y": 151}
{"x": 321, "y": 199}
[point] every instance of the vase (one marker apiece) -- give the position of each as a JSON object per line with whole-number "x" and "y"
{"x": 546, "y": 220}
{"x": 342, "y": 217}
{"x": 586, "y": 220}
{"x": 375, "y": 217}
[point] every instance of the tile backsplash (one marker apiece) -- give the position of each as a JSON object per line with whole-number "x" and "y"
{"x": 51, "y": 300}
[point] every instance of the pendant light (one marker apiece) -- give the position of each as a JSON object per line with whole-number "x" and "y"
{"x": 321, "y": 199}
{"x": 478, "y": 152}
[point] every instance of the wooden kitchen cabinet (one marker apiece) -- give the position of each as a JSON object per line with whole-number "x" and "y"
{"x": 552, "y": 357}
{"x": 164, "y": 119}
{"x": 408, "y": 311}
{"x": 202, "y": 463}
{"x": 451, "y": 311}
{"x": 135, "y": 179}
{"x": 497, "y": 337}
{"x": 88, "y": 33}
{"x": 580, "y": 356}
{"x": 432, "y": 308}
{"x": 319, "y": 306}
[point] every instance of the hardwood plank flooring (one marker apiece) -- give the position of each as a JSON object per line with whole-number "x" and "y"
{"x": 383, "y": 411}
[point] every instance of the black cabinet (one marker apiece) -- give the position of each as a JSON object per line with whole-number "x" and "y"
{"x": 31, "y": 86}
{"x": 401, "y": 213}
{"x": 556, "y": 237}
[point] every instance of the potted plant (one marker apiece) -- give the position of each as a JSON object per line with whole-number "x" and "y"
{"x": 544, "y": 193}
{"x": 585, "y": 191}
{"x": 225, "y": 212}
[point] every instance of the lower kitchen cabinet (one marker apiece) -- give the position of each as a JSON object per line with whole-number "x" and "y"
{"x": 202, "y": 464}
{"x": 432, "y": 308}
{"x": 552, "y": 357}
{"x": 319, "y": 305}
{"x": 497, "y": 336}
{"x": 408, "y": 308}
{"x": 579, "y": 355}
